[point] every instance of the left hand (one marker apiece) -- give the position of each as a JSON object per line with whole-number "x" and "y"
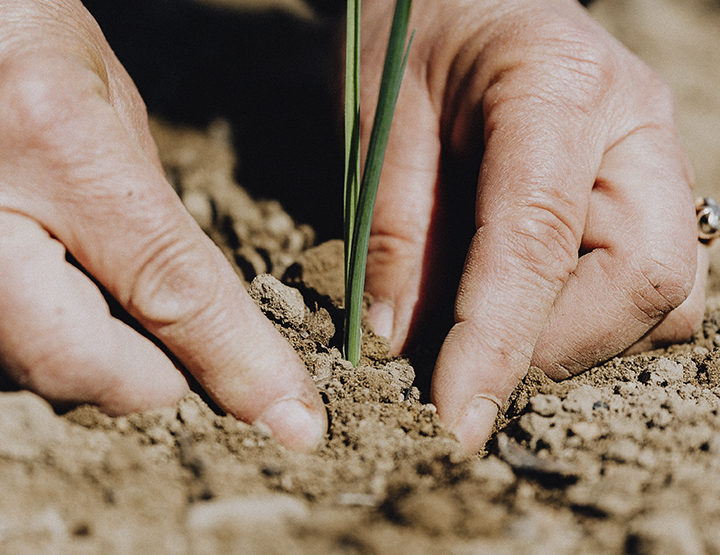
{"x": 82, "y": 181}
{"x": 584, "y": 239}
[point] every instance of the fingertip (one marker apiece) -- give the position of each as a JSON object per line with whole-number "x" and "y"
{"x": 474, "y": 426}
{"x": 294, "y": 423}
{"x": 381, "y": 317}
{"x": 393, "y": 279}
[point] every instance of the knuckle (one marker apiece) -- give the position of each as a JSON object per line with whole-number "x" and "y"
{"x": 37, "y": 97}
{"x": 579, "y": 56}
{"x": 572, "y": 69}
{"x": 545, "y": 242}
{"x": 661, "y": 286}
{"x": 580, "y": 84}
{"x": 388, "y": 248}
{"x": 177, "y": 281}
{"x": 564, "y": 71}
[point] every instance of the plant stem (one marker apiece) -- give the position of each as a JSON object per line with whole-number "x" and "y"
{"x": 352, "y": 126}
{"x": 395, "y": 61}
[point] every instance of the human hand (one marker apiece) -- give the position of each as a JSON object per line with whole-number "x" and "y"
{"x": 584, "y": 239}
{"x": 81, "y": 175}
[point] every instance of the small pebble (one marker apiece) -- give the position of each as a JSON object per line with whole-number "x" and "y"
{"x": 546, "y": 405}
{"x": 296, "y": 241}
{"x": 401, "y": 372}
{"x": 661, "y": 418}
{"x": 279, "y": 224}
{"x": 534, "y": 424}
{"x": 320, "y": 326}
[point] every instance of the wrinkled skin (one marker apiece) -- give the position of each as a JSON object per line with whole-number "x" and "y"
{"x": 80, "y": 174}
{"x": 578, "y": 152}
{"x": 584, "y": 239}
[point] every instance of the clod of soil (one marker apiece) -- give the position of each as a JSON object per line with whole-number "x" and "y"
{"x": 624, "y": 458}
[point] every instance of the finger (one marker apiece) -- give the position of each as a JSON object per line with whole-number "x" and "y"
{"x": 685, "y": 320}
{"x": 411, "y": 273}
{"x": 532, "y": 202}
{"x": 115, "y": 212}
{"x": 57, "y": 336}
{"x": 641, "y": 235}
{"x": 404, "y": 220}
{"x": 185, "y": 293}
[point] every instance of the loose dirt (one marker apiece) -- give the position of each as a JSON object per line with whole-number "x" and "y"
{"x": 624, "y": 458}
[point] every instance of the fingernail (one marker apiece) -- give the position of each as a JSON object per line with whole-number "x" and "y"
{"x": 294, "y": 424}
{"x": 473, "y": 427}
{"x": 380, "y": 317}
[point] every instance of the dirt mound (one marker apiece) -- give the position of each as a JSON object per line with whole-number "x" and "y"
{"x": 624, "y": 458}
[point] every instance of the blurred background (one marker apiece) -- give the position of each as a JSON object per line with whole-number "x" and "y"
{"x": 267, "y": 67}
{"x": 681, "y": 41}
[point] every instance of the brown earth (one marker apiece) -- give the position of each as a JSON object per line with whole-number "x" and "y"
{"x": 625, "y": 458}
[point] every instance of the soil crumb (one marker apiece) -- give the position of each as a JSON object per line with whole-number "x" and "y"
{"x": 621, "y": 459}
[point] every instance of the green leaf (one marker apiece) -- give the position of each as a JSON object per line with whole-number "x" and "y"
{"x": 352, "y": 125}
{"x": 394, "y": 67}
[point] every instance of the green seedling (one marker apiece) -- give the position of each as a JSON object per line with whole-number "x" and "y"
{"x": 360, "y": 191}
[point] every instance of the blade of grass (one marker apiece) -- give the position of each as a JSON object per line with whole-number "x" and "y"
{"x": 352, "y": 125}
{"x": 394, "y": 67}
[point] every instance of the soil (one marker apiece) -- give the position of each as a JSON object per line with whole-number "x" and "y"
{"x": 622, "y": 459}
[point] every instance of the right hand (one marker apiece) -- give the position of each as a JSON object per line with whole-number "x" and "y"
{"x": 580, "y": 235}
{"x": 81, "y": 175}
